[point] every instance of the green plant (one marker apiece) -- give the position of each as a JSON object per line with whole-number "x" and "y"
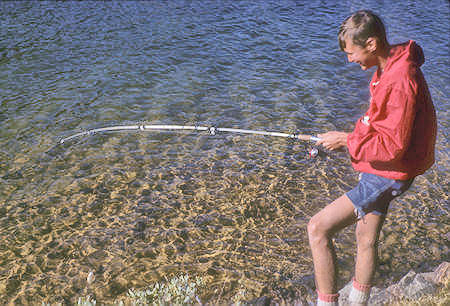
{"x": 86, "y": 301}
{"x": 180, "y": 290}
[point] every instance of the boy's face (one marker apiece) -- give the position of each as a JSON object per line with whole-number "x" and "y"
{"x": 360, "y": 55}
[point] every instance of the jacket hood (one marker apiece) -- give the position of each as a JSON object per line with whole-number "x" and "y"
{"x": 409, "y": 53}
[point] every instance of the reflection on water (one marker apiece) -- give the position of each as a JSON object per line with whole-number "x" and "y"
{"x": 135, "y": 207}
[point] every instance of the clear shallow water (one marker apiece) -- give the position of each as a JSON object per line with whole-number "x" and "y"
{"x": 138, "y": 207}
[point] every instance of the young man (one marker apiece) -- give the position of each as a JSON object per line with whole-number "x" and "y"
{"x": 391, "y": 144}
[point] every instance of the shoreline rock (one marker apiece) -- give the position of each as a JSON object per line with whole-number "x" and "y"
{"x": 412, "y": 286}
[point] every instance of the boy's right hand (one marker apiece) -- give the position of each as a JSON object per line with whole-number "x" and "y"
{"x": 333, "y": 140}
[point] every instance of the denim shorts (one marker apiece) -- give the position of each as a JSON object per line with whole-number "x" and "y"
{"x": 374, "y": 193}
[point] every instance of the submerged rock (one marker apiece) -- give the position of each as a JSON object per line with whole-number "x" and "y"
{"x": 261, "y": 301}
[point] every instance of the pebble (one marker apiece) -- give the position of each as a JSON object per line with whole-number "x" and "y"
{"x": 90, "y": 278}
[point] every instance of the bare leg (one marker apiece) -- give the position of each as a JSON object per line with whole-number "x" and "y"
{"x": 321, "y": 228}
{"x": 367, "y": 233}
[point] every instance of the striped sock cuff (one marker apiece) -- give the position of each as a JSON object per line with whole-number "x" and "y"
{"x": 360, "y": 287}
{"x": 334, "y": 297}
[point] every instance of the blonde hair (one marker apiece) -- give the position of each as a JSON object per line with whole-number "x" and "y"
{"x": 359, "y": 27}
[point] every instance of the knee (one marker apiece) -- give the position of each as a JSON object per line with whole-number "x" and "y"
{"x": 316, "y": 232}
{"x": 366, "y": 241}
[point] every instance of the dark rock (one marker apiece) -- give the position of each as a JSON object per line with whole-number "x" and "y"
{"x": 147, "y": 253}
{"x": 141, "y": 225}
{"x": 203, "y": 220}
{"x": 13, "y": 175}
{"x": 261, "y": 301}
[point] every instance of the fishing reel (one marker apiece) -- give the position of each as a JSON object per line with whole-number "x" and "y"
{"x": 313, "y": 153}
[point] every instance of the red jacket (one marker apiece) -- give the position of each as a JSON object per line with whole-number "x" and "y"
{"x": 396, "y": 136}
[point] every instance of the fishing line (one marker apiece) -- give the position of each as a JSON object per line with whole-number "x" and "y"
{"x": 212, "y": 131}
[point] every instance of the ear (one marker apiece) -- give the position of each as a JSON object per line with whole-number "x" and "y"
{"x": 372, "y": 44}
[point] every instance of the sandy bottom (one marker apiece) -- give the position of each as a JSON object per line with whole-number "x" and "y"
{"x": 135, "y": 210}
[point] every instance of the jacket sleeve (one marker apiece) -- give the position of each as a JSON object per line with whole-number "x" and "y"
{"x": 385, "y": 135}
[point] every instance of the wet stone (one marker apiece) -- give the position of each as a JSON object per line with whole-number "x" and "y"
{"x": 86, "y": 190}
{"x": 54, "y": 199}
{"x": 13, "y": 176}
{"x": 140, "y": 226}
{"x": 135, "y": 184}
{"x": 117, "y": 288}
{"x": 184, "y": 234}
{"x": 146, "y": 192}
{"x": 203, "y": 220}
{"x": 226, "y": 221}
{"x": 213, "y": 271}
{"x": 96, "y": 206}
{"x": 81, "y": 173}
{"x": 148, "y": 253}
{"x": 12, "y": 285}
{"x": 85, "y": 166}
{"x": 261, "y": 301}
{"x": 140, "y": 236}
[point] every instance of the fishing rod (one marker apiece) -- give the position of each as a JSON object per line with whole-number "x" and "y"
{"x": 212, "y": 130}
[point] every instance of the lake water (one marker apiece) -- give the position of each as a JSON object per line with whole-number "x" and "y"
{"x": 139, "y": 207}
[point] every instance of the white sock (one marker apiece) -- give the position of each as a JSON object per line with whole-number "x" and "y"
{"x": 359, "y": 293}
{"x": 322, "y": 303}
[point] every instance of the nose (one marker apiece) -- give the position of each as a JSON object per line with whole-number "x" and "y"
{"x": 350, "y": 58}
